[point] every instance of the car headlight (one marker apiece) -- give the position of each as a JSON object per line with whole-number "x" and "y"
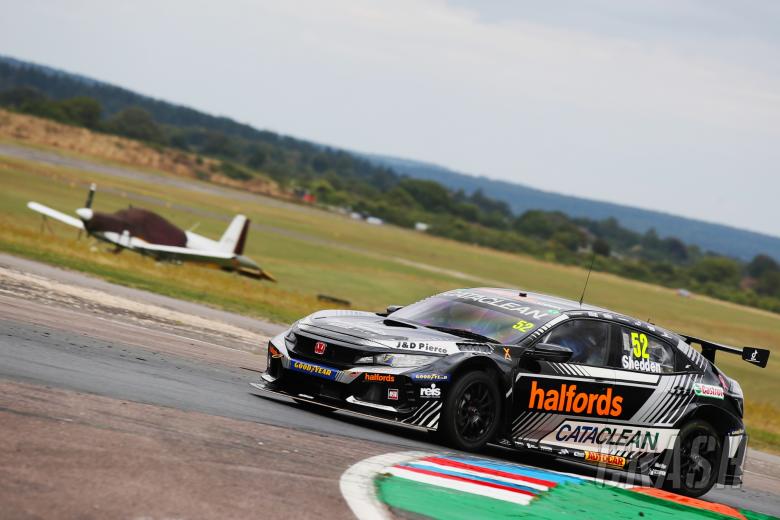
{"x": 397, "y": 360}
{"x": 290, "y": 341}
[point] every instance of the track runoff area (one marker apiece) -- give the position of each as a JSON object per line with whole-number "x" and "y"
{"x": 429, "y": 485}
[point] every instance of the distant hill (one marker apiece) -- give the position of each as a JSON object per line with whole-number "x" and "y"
{"x": 727, "y": 240}
{"x": 59, "y": 84}
{"x": 281, "y": 153}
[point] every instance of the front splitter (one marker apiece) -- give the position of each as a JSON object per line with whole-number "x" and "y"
{"x": 262, "y": 390}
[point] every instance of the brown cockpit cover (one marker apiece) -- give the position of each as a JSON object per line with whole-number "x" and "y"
{"x": 139, "y": 223}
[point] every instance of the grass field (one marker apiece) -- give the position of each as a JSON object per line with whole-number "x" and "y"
{"x": 314, "y": 252}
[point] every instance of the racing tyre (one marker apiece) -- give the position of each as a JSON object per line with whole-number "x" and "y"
{"x": 471, "y": 412}
{"x": 696, "y": 461}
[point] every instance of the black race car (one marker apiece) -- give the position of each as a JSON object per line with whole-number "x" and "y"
{"x": 527, "y": 371}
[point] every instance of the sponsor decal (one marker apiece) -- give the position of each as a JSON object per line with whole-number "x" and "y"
{"x": 712, "y": 391}
{"x": 507, "y": 355}
{"x": 430, "y": 376}
{"x": 427, "y": 347}
{"x": 392, "y": 394}
{"x": 430, "y": 392}
{"x": 379, "y": 378}
{"x": 544, "y": 448}
{"x": 319, "y": 347}
{"x": 313, "y": 369}
{"x": 563, "y": 452}
{"x": 501, "y": 303}
{"x": 580, "y": 454}
{"x": 757, "y": 356}
{"x": 604, "y": 458}
{"x": 599, "y": 435}
{"x": 566, "y": 399}
{"x": 642, "y": 365}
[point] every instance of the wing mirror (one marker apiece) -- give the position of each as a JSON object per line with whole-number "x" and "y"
{"x": 392, "y": 308}
{"x": 550, "y": 352}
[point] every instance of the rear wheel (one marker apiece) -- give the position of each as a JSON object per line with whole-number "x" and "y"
{"x": 471, "y": 412}
{"x": 696, "y": 460}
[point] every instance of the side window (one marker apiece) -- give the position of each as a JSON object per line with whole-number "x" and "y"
{"x": 642, "y": 352}
{"x": 587, "y": 339}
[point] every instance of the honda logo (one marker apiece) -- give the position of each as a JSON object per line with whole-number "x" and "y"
{"x": 319, "y": 347}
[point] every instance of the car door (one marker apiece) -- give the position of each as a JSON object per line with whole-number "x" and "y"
{"x": 557, "y": 403}
{"x": 654, "y": 391}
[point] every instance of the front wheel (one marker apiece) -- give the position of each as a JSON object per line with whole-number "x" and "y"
{"x": 471, "y": 411}
{"x": 696, "y": 461}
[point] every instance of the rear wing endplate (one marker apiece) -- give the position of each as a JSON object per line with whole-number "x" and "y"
{"x": 755, "y": 356}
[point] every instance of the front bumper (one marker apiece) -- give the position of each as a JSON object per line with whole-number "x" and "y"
{"x": 403, "y": 396}
{"x": 266, "y": 390}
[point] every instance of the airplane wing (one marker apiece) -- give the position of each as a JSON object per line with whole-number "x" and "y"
{"x": 239, "y": 263}
{"x": 183, "y": 253}
{"x": 140, "y": 245}
{"x": 57, "y": 215}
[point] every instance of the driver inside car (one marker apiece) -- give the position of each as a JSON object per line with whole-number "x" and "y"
{"x": 586, "y": 339}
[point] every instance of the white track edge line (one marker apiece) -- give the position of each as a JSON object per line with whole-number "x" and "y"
{"x": 357, "y": 483}
{"x": 474, "y": 473}
{"x": 464, "y": 487}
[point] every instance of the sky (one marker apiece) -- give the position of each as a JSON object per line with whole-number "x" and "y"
{"x": 672, "y": 105}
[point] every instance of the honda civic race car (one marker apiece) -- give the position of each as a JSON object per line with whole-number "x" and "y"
{"x": 526, "y": 371}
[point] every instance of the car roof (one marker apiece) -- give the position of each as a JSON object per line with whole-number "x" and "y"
{"x": 534, "y": 298}
{"x": 573, "y": 308}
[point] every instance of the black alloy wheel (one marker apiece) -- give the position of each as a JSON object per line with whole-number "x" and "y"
{"x": 471, "y": 412}
{"x": 696, "y": 460}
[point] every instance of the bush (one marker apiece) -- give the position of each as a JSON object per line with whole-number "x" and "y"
{"x": 135, "y": 123}
{"x": 82, "y": 111}
{"x": 234, "y": 171}
{"x": 601, "y": 247}
{"x": 716, "y": 269}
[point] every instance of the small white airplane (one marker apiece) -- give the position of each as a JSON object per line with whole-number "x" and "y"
{"x": 150, "y": 234}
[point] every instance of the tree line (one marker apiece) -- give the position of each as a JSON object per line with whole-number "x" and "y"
{"x": 338, "y": 178}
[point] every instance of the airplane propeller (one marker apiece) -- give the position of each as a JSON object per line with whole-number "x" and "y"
{"x": 90, "y": 195}
{"x": 85, "y": 213}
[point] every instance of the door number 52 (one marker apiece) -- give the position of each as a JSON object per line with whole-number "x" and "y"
{"x": 639, "y": 342}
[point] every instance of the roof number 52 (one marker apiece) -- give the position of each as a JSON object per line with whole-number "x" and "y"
{"x": 639, "y": 342}
{"x": 523, "y": 326}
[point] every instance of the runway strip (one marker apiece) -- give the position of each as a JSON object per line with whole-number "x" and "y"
{"x": 115, "y": 413}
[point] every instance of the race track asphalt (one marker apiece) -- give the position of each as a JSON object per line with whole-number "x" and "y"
{"x": 89, "y": 351}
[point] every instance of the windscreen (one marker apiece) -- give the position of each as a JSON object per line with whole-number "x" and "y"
{"x": 499, "y": 319}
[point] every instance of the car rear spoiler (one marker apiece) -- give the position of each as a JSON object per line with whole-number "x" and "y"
{"x": 755, "y": 356}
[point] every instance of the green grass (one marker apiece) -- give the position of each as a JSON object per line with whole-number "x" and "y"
{"x": 314, "y": 252}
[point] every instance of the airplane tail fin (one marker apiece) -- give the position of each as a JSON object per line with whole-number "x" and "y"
{"x": 234, "y": 238}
